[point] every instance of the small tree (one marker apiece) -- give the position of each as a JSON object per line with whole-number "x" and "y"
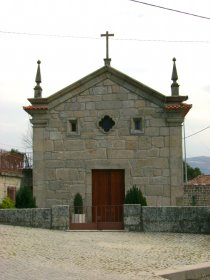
{"x": 24, "y": 198}
{"x": 78, "y": 204}
{"x": 7, "y": 203}
{"x": 135, "y": 196}
{"x": 191, "y": 172}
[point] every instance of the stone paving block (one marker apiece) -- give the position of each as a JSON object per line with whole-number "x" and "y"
{"x": 31, "y": 254}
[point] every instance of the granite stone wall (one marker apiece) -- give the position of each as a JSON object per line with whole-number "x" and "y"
{"x": 64, "y": 159}
{"x": 60, "y": 217}
{"x": 167, "y": 219}
{"x": 56, "y": 217}
{"x": 136, "y": 218}
{"x": 133, "y": 217}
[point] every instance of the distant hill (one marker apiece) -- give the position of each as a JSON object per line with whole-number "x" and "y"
{"x": 203, "y": 163}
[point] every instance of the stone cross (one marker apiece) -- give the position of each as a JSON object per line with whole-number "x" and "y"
{"x": 107, "y": 35}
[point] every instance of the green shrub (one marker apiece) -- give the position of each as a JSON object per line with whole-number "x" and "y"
{"x": 78, "y": 204}
{"x": 135, "y": 196}
{"x": 7, "y": 203}
{"x": 24, "y": 198}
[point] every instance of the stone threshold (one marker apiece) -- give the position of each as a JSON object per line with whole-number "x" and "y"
{"x": 95, "y": 230}
{"x": 188, "y": 272}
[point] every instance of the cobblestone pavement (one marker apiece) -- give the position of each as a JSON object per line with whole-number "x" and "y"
{"x": 38, "y": 254}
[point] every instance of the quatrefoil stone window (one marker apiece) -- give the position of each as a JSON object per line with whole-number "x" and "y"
{"x": 106, "y": 123}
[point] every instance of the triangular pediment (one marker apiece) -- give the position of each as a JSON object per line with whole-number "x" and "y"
{"x": 98, "y": 76}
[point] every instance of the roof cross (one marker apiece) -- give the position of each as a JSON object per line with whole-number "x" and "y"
{"x": 107, "y": 59}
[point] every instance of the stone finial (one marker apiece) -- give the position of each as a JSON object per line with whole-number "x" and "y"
{"x": 38, "y": 89}
{"x": 174, "y": 78}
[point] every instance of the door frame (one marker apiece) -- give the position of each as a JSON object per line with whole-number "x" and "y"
{"x": 112, "y": 203}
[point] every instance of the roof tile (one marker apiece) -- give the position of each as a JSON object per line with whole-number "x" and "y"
{"x": 200, "y": 180}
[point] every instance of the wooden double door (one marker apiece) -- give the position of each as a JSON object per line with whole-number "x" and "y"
{"x": 108, "y": 192}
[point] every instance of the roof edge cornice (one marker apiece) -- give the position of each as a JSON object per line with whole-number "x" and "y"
{"x": 108, "y": 70}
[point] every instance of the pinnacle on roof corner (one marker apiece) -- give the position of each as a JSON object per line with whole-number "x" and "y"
{"x": 174, "y": 78}
{"x": 38, "y": 80}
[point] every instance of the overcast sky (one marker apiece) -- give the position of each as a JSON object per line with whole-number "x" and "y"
{"x": 144, "y": 43}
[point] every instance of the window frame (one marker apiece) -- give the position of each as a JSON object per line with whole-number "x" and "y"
{"x": 101, "y": 128}
{"x": 70, "y": 124}
{"x": 135, "y": 130}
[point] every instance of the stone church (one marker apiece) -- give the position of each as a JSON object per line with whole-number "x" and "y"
{"x": 103, "y": 134}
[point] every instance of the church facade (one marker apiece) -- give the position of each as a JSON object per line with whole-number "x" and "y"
{"x": 103, "y": 134}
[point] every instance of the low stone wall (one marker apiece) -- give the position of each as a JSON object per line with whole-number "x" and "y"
{"x": 196, "y": 195}
{"x": 167, "y": 219}
{"x": 56, "y": 217}
{"x": 136, "y": 218}
{"x": 176, "y": 219}
{"x": 133, "y": 217}
{"x": 60, "y": 217}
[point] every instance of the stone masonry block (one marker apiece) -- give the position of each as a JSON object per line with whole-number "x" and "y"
{"x": 152, "y": 131}
{"x": 115, "y": 96}
{"x": 74, "y": 145}
{"x": 143, "y": 163}
{"x": 58, "y": 145}
{"x": 157, "y": 180}
{"x": 60, "y": 217}
{"x": 67, "y": 174}
{"x": 140, "y": 180}
{"x": 154, "y": 152}
{"x": 164, "y": 131}
{"x": 139, "y": 103}
{"x": 108, "y": 82}
{"x": 158, "y": 142}
{"x": 100, "y": 90}
{"x": 164, "y": 152}
{"x": 113, "y": 104}
{"x": 156, "y": 190}
{"x": 55, "y": 163}
{"x": 115, "y": 88}
{"x": 132, "y": 217}
{"x": 145, "y": 142}
{"x": 55, "y": 135}
{"x": 120, "y": 154}
{"x": 107, "y": 164}
{"x": 49, "y": 174}
{"x": 118, "y": 144}
{"x": 90, "y": 105}
{"x": 131, "y": 145}
{"x": 133, "y": 96}
{"x": 131, "y": 112}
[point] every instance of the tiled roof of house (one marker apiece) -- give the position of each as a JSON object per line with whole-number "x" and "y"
{"x": 33, "y": 108}
{"x": 200, "y": 180}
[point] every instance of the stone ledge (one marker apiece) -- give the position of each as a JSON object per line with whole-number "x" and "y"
{"x": 189, "y": 272}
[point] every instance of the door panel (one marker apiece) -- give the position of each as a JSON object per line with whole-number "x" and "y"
{"x": 117, "y": 187}
{"x": 107, "y": 196}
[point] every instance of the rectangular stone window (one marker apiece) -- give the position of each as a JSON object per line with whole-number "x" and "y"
{"x": 137, "y": 126}
{"x": 73, "y": 124}
{"x": 72, "y": 127}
